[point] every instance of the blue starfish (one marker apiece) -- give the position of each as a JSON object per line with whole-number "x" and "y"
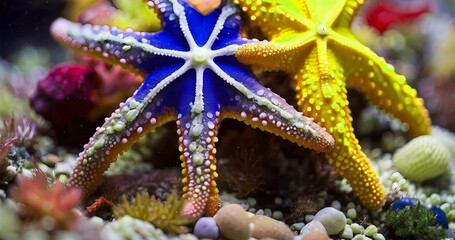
{"x": 191, "y": 77}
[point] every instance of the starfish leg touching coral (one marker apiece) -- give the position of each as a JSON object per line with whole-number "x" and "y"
{"x": 193, "y": 78}
{"x": 316, "y": 46}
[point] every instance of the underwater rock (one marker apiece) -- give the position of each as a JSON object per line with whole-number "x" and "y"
{"x": 422, "y": 158}
{"x": 315, "y": 235}
{"x": 332, "y": 219}
{"x": 312, "y": 226}
{"x": 233, "y": 222}
{"x": 206, "y": 228}
{"x": 263, "y": 226}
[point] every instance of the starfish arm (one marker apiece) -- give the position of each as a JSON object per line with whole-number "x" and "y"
{"x": 132, "y": 50}
{"x": 325, "y": 11}
{"x": 147, "y": 109}
{"x": 273, "y": 56}
{"x": 197, "y": 146}
{"x": 260, "y": 107}
{"x": 275, "y": 15}
{"x": 351, "y": 163}
{"x": 383, "y": 86}
{"x": 326, "y": 101}
{"x": 346, "y": 16}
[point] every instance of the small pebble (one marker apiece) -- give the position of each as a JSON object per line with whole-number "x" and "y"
{"x": 361, "y": 237}
{"x": 309, "y": 218}
{"x": 332, "y": 219}
{"x": 315, "y": 235}
{"x": 312, "y": 226}
{"x": 263, "y": 226}
{"x": 278, "y": 215}
{"x": 297, "y": 226}
{"x": 278, "y": 201}
{"x": 435, "y": 199}
{"x": 251, "y": 201}
{"x": 371, "y": 230}
{"x": 206, "y": 227}
{"x": 347, "y": 233}
{"x": 350, "y": 205}
{"x": 351, "y": 213}
{"x": 233, "y": 222}
{"x": 445, "y": 207}
{"x": 336, "y": 204}
{"x": 356, "y": 228}
{"x": 378, "y": 236}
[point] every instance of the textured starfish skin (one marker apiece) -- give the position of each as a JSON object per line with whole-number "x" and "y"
{"x": 312, "y": 41}
{"x": 191, "y": 77}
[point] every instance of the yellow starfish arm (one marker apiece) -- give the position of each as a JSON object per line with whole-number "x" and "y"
{"x": 326, "y": 102}
{"x": 383, "y": 86}
{"x": 273, "y": 16}
{"x": 278, "y": 56}
{"x": 344, "y": 19}
{"x": 325, "y": 11}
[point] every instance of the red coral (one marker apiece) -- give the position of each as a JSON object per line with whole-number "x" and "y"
{"x": 385, "y": 13}
{"x": 40, "y": 201}
{"x": 76, "y": 97}
{"x": 67, "y": 92}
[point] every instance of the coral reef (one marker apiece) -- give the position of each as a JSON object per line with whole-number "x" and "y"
{"x": 176, "y": 63}
{"x": 50, "y": 207}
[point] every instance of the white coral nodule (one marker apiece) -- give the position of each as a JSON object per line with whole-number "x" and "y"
{"x": 422, "y": 158}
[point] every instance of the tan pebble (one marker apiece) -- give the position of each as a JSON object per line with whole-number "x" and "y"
{"x": 266, "y": 227}
{"x": 233, "y": 222}
{"x": 315, "y": 235}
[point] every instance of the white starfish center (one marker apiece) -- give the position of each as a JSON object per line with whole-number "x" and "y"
{"x": 200, "y": 56}
{"x": 321, "y": 29}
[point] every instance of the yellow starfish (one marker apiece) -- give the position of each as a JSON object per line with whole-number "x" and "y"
{"x": 312, "y": 41}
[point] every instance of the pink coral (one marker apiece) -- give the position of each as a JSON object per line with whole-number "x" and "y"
{"x": 40, "y": 201}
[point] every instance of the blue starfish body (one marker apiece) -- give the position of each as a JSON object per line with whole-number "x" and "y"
{"x": 191, "y": 77}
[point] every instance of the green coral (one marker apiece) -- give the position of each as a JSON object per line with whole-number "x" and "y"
{"x": 422, "y": 158}
{"x": 166, "y": 216}
{"x": 414, "y": 223}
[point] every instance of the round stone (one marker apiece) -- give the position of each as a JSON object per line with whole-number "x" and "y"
{"x": 332, "y": 219}
{"x": 206, "y": 227}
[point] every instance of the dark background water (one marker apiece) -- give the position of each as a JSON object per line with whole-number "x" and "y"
{"x": 25, "y": 22}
